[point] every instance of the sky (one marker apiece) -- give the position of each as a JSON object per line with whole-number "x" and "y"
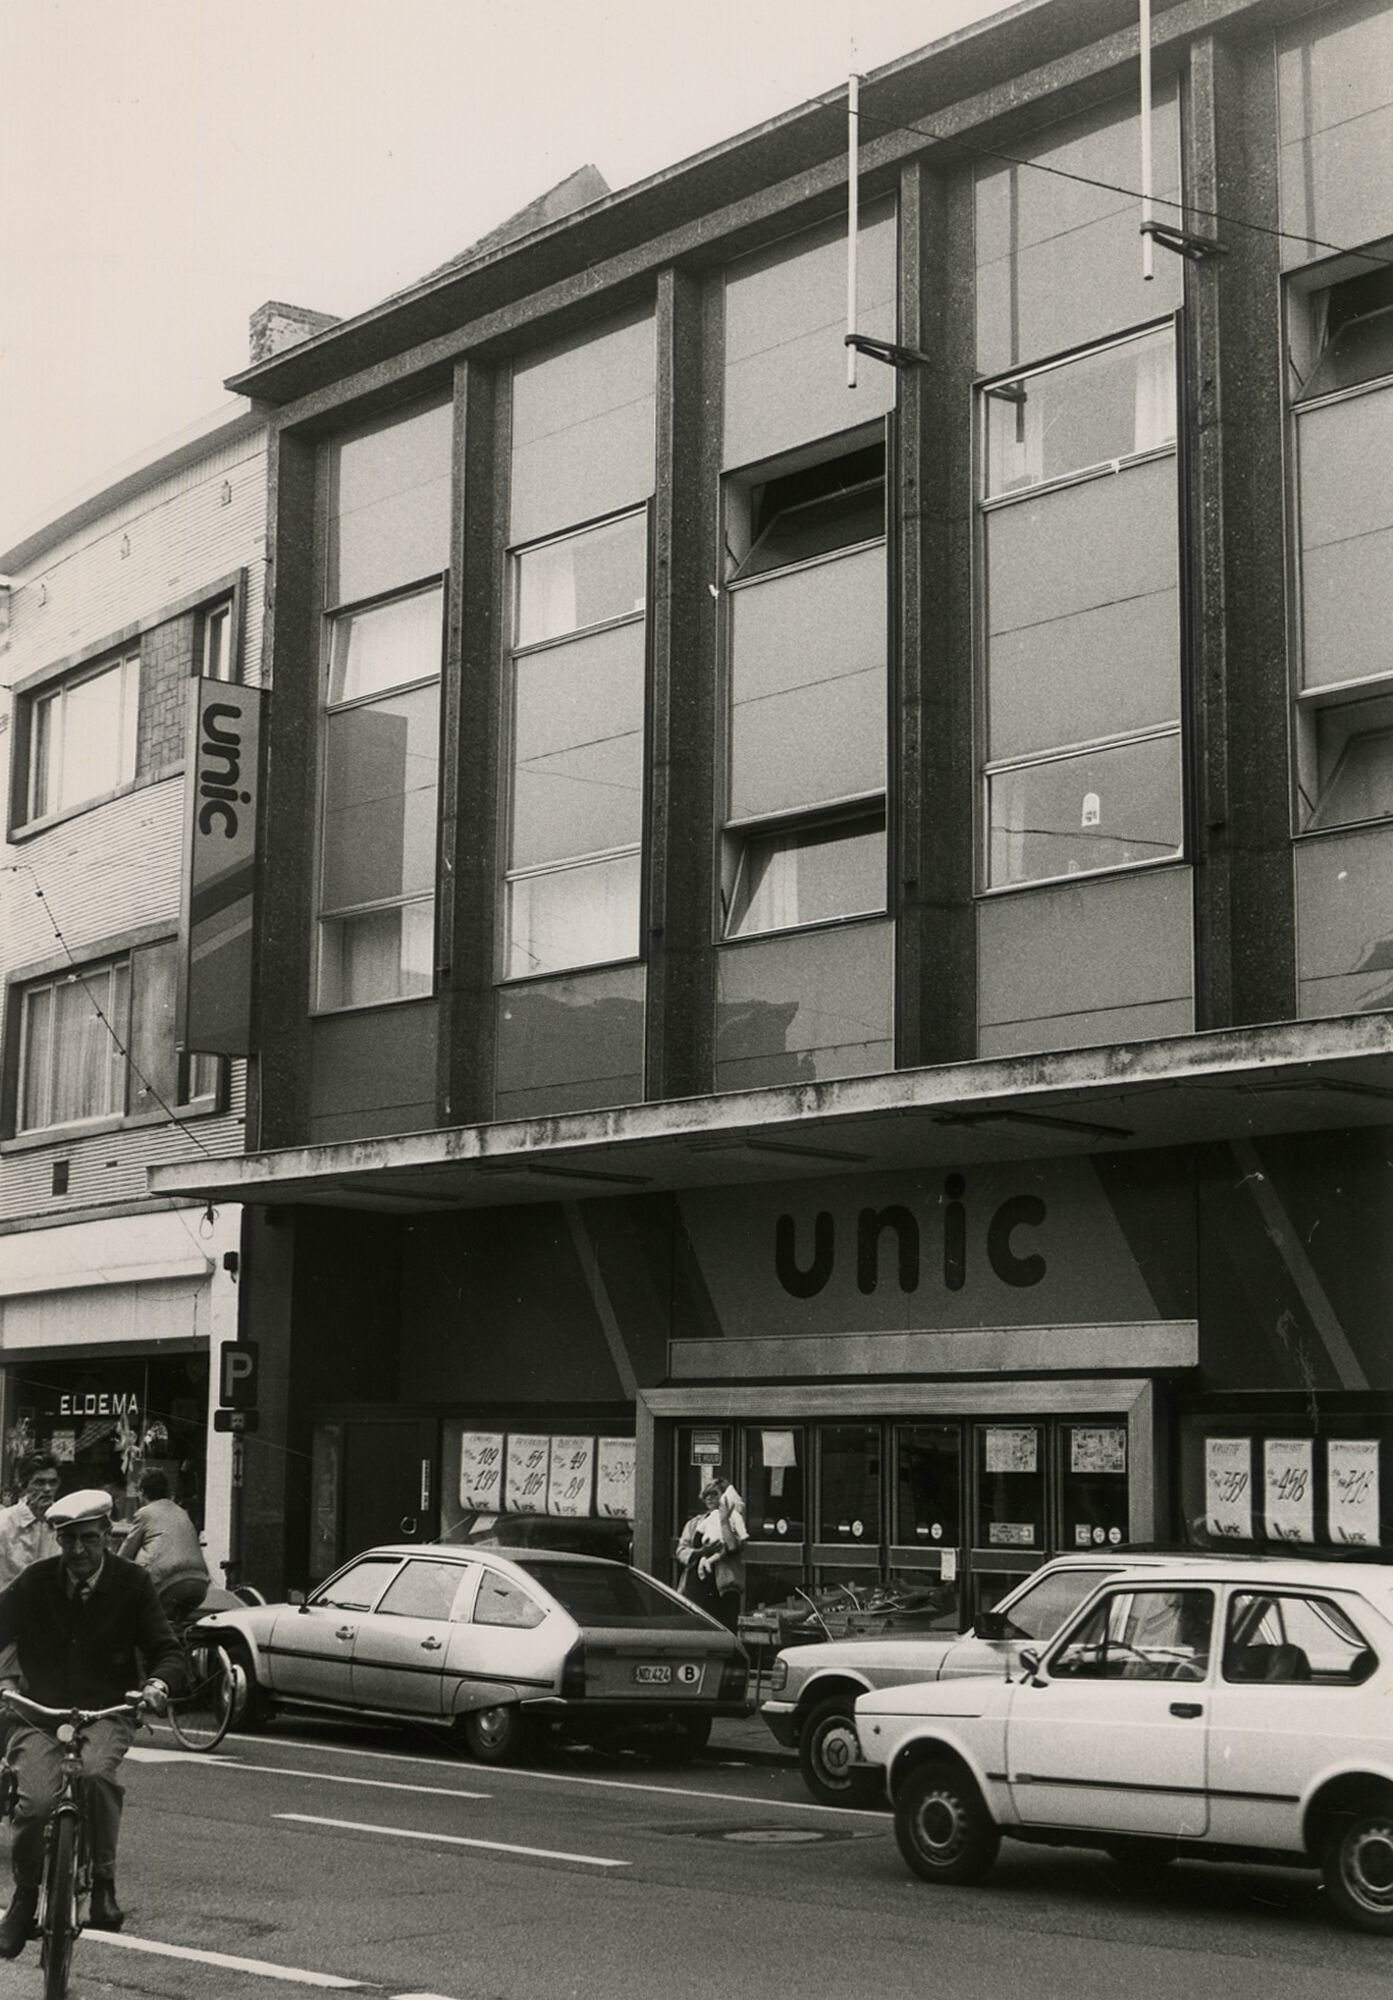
{"x": 168, "y": 165}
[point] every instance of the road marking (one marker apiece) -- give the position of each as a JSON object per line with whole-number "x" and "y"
{"x": 456, "y": 1840}
{"x": 340, "y": 1778}
{"x": 497, "y": 1771}
{"x": 264, "y": 1969}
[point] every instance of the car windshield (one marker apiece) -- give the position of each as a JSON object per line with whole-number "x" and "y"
{"x": 607, "y": 1594}
{"x": 1042, "y": 1607}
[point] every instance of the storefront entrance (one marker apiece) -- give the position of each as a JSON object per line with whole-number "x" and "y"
{"x": 958, "y": 1504}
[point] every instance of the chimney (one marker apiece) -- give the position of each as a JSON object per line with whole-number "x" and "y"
{"x": 275, "y": 327}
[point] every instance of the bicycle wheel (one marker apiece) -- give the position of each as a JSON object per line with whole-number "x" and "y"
{"x": 60, "y": 1905}
{"x": 201, "y": 1715}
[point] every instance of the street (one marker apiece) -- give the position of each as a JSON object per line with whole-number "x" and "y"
{"x": 333, "y": 1859}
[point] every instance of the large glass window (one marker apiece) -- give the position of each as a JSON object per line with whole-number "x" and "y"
{"x": 1082, "y": 697}
{"x": 378, "y": 825}
{"x": 82, "y": 740}
{"x": 576, "y": 805}
{"x": 97, "y": 1042}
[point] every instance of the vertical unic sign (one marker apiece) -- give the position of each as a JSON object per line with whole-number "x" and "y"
{"x": 224, "y": 766}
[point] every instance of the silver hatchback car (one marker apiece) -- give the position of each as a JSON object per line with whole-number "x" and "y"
{"x": 497, "y": 1644}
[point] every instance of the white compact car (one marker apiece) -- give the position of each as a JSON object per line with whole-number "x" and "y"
{"x": 1212, "y": 1707}
{"x": 813, "y": 1688}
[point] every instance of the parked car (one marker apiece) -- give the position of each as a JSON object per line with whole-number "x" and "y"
{"x": 1219, "y": 1708}
{"x": 813, "y": 1688}
{"x": 499, "y": 1647}
{"x": 579, "y": 1534}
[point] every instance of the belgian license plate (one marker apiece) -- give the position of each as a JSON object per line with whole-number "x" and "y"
{"x": 653, "y": 1676}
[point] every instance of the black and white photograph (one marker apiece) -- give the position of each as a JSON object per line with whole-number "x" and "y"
{"x": 696, "y": 999}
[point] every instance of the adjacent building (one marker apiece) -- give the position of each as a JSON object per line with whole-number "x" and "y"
{"x": 848, "y": 931}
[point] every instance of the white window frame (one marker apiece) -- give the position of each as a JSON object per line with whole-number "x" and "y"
{"x": 52, "y": 702}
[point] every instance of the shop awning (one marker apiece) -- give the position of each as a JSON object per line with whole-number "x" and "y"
{"x": 1228, "y": 1086}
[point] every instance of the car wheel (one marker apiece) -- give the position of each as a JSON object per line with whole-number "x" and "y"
{"x": 494, "y": 1735}
{"x": 1357, "y": 1867}
{"x": 829, "y": 1758}
{"x": 944, "y": 1831}
{"x": 251, "y": 1706}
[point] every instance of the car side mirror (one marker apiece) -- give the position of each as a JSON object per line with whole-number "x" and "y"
{"x": 990, "y": 1625}
{"x": 1030, "y": 1660}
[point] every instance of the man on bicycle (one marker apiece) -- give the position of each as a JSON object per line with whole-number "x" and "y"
{"x": 88, "y": 1627}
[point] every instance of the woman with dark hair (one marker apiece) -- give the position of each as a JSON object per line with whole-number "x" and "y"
{"x": 164, "y": 1540}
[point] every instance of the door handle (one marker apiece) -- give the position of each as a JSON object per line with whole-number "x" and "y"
{"x": 1187, "y": 1710}
{"x": 430, "y": 1645}
{"x": 345, "y": 1632}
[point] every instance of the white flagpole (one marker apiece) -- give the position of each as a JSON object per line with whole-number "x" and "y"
{"x": 1147, "y": 269}
{"x": 853, "y": 119}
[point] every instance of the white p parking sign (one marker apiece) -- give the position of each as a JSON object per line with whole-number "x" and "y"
{"x": 237, "y": 1374}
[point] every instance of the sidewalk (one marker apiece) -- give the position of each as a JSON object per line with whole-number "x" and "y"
{"x": 748, "y": 1737}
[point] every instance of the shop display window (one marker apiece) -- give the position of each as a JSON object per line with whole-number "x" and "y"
{"x": 849, "y": 1495}
{"x": 928, "y": 1477}
{"x": 1277, "y": 1482}
{"x": 775, "y": 1483}
{"x": 1010, "y": 1487}
{"x": 1093, "y": 1486}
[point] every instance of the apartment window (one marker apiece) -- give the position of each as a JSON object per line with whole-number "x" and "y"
{"x": 804, "y": 839}
{"x": 96, "y": 1042}
{"x": 575, "y": 816}
{"x": 82, "y": 736}
{"x": 216, "y": 662}
{"x": 378, "y": 821}
{"x": 1340, "y": 340}
{"x": 1082, "y": 665}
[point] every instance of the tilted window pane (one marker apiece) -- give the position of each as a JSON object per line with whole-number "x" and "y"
{"x": 808, "y": 686}
{"x": 1082, "y": 612}
{"x": 582, "y": 580}
{"x": 578, "y": 748}
{"x": 385, "y": 647}
{"x": 1346, "y": 509}
{"x": 1106, "y": 808}
{"x": 574, "y": 916}
{"x": 389, "y": 504}
{"x": 1346, "y": 762}
{"x": 380, "y": 771}
{"x": 808, "y": 876}
{"x": 1105, "y": 406}
{"x": 381, "y": 955}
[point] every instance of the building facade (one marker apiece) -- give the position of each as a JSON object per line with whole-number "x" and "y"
{"x": 112, "y": 1300}
{"x": 844, "y": 931}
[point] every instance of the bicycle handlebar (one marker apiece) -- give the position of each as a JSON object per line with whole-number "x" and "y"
{"x": 134, "y": 1705}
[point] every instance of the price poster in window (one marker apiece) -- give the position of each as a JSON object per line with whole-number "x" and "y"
{"x": 779, "y": 1457}
{"x": 614, "y": 1478}
{"x": 1290, "y": 1489}
{"x": 481, "y": 1470}
{"x": 529, "y": 1463}
{"x": 1352, "y": 1499}
{"x": 1228, "y": 1487}
{"x": 1098, "y": 1448}
{"x": 1012, "y": 1448}
{"x": 572, "y": 1475}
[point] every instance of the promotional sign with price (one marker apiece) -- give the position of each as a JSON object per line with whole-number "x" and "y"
{"x": 1289, "y": 1501}
{"x": 1228, "y": 1487}
{"x": 1353, "y": 1497}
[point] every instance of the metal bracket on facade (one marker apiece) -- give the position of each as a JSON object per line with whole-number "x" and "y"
{"x": 888, "y": 351}
{"x": 1184, "y": 242}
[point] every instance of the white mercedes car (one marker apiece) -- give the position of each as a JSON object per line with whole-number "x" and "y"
{"x": 1225, "y": 1708}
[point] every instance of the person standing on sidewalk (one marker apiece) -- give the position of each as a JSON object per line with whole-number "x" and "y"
{"x": 711, "y": 1552}
{"x": 25, "y": 1535}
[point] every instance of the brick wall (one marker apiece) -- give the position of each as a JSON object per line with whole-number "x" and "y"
{"x": 166, "y": 662}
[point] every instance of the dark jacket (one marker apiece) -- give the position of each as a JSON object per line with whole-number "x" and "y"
{"x": 88, "y": 1655}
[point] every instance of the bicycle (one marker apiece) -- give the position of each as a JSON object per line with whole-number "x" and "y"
{"x": 202, "y": 1714}
{"x": 66, "y": 1888}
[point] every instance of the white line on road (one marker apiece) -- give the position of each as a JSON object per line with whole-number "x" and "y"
{"x": 457, "y": 1840}
{"x": 295, "y": 1974}
{"x": 500, "y": 1771}
{"x": 340, "y": 1778}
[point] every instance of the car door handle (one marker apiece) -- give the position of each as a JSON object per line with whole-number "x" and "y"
{"x": 1187, "y": 1710}
{"x": 345, "y": 1632}
{"x": 430, "y": 1645}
